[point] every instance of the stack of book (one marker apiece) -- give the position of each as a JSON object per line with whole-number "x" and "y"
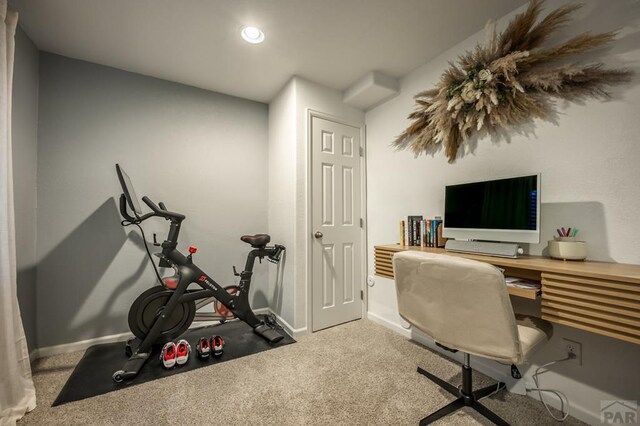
{"x": 416, "y": 231}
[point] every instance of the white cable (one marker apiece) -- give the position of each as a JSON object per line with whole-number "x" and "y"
{"x": 560, "y": 395}
{"x": 498, "y": 389}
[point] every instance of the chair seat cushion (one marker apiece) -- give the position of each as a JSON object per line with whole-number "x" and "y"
{"x": 533, "y": 332}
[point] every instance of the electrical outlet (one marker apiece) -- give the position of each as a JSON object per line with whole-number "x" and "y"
{"x": 575, "y": 348}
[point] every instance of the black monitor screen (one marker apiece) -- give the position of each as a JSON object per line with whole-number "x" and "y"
{"x": 127, "y": 189}
{"x": 496, "y": 204}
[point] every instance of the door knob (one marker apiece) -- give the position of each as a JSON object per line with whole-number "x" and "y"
{"x": 318, "y": 234}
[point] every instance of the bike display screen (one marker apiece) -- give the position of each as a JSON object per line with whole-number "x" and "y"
{"x": 127, "y": 189}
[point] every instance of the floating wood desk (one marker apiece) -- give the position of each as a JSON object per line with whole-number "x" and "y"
{"x": 599, "y": 297}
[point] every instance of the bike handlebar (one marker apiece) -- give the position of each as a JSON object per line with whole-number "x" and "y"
{"x": 277, "y": 252}
{"x": 161, "y": 211}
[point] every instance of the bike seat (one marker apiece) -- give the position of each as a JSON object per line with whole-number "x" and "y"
{"x": 258, "y": 240}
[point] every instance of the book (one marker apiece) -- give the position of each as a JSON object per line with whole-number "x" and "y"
{"x": 436, "y": 232}
{"x": 414, "y": 231}
{"x": 403, "y": 239}
{"x": 441, "y": 241}
{"x": 426, "y": 232}
{"x": 406, "y": 233}
{"x": 432, "y": 232}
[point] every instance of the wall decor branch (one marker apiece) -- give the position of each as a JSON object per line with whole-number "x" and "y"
{"x": 507, "y": 81}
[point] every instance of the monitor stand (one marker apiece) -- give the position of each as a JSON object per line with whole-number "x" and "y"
{"x": 484, "y": 248}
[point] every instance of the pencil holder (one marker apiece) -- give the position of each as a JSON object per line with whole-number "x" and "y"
{"x": 567, "y": 248}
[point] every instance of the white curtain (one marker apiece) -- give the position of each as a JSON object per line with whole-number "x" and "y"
{"x": 17, "y": 394}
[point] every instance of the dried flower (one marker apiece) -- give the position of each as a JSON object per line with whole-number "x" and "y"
{"x": 484, "y": 75}
{"x": 469, "y": 93}
{"x": 506, "y": 82}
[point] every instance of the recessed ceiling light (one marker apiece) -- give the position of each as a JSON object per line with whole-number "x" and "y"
{"x": 252, "y": 35}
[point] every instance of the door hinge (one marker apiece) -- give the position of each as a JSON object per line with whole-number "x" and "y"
{"x": 361, "y": 294}
{"x": 361, "y": 152}
{"x": 361, "y": 223}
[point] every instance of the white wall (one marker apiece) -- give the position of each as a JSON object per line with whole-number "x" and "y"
{"x": 24, "y": 127}
{"x": 588, "y": 160}
{"x": 202, "y": 153}
{"x": 282, "y": 208}
{"x": 289, "y": 113}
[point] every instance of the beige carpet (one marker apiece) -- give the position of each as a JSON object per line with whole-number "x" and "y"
{"x": 354, "y": 374}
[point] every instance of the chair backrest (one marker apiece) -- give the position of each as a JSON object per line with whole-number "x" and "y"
{"x": 460, "y": 303}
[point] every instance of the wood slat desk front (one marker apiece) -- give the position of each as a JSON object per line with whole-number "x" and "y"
{"x": 599, "y": 297}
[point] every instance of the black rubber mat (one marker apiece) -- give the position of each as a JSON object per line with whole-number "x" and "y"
{"x": 92, "y": 375}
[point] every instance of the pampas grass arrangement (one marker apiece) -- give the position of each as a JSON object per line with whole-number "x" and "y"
{"x": 508, "y": 81}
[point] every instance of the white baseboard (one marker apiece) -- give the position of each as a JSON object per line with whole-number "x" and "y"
{"x": 389, "y": 324}
{"x": 79, "y": 346}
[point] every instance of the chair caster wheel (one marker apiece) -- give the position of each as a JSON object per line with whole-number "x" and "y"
{"x": 118, "y": 376}
{"x": 515, "y": 373}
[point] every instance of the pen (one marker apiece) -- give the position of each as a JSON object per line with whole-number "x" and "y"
{"x": 559, "y": 232}
{"x": 564, "y": 232}
{"x": 569, "y": 232}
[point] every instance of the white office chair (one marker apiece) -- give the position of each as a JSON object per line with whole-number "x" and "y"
{"x": 464, "y": 305}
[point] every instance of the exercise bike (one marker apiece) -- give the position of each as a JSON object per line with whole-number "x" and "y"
{"x": 164, "y": 312}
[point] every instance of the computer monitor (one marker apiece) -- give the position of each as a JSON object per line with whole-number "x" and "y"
{"x": 128, "y": 191}
{"x": 505, "y": 210}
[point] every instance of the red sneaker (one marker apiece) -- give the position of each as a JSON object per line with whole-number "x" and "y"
{"x": 183, "y": 350}
{"x": 168, "y": 355}
{"x": 204, "y": 348}
{"x": 216, "y": 345}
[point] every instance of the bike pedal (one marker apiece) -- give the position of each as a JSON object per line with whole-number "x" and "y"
{"x": 270, "y": 320}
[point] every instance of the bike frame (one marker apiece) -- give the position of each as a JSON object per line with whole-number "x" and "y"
{"x": 189, "y": 273}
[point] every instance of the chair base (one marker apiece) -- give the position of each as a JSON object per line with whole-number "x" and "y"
{"x": 467, "y": 397}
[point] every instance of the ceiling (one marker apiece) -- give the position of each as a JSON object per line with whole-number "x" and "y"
{"x": 197, "y": 42}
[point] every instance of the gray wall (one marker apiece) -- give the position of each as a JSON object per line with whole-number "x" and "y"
{"x": 24, "y": 122}
{"x": 202, "y": 153}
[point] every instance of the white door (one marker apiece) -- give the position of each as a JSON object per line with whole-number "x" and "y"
{"x": 336, "y": 225}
